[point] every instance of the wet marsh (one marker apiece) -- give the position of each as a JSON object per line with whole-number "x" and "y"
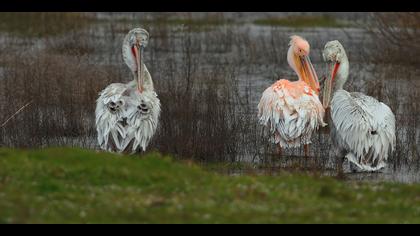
{"x": 209, "y": 71}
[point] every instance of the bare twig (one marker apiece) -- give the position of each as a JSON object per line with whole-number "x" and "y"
{"x": 17, "y": 112}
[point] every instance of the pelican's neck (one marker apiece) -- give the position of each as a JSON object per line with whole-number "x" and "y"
{"x": 147, "y": 78}
{"x": 292, "y": 59}
{"x": 143, "y": 70}
{"x": 342, "y": 73}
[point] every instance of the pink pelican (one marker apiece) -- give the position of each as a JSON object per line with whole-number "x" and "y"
{"x": 291, "y": 110}
{"x": 362, "y": 128}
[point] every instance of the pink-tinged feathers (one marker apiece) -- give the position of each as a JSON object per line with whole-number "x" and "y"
{"x": 291, "y": 111}
{"x": 296, "y": 89}
{"x": 297, "y": 43}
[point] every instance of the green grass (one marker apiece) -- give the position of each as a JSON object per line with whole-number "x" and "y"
{"x": 302, "y": 21}
{"x": 63, "y": 185}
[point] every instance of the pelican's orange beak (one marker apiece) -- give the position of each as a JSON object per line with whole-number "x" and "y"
{"x": 308, "y": 73}
{"x": 138, "y": 51}
{"x": 332, "y": 69}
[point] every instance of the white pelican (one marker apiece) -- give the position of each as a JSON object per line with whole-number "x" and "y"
{"x": 362, "y": 128}
{"x": 291, "y": 110}
{"x": 127, "y": 114}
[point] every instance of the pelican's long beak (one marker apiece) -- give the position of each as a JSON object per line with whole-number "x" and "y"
{"x": 139, "y": 57}
{"x": 308, "y": 74}
{"x": 332, "y": 68}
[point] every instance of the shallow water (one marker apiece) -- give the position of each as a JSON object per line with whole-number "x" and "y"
{"x": 256, "y": 74}
{"x": 402, "y": 175}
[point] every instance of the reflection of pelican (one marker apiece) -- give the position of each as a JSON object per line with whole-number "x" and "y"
{"x": 127, "y": 114}
{"x": 292, "y": 110}
{"x": 363, "y": 129}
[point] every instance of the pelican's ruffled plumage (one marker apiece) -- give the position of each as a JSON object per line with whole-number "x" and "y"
{"x": 127, "y": 115}
{"x": 362, "y": 128}
{"x": 291, "y": 110}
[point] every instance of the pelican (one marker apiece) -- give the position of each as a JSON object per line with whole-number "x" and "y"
{"x": 127, "y": 114}
{"x": 362, "y": 128}
{"x": 291, "y": 110}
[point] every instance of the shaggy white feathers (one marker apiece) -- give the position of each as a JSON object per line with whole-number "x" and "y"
{"x": 142, "y": 118}
{"x": 291, "y": 121}
{"x": 365, "y": 128}
{"x": 127, "y": 119}
{"x": 130, "y": 126}
{"x": 110, "y": 112}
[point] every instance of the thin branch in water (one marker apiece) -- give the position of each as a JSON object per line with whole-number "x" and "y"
{"x": 18, "y": 111}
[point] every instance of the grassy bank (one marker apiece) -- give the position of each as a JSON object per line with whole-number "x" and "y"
{"x": 73, "y": 185}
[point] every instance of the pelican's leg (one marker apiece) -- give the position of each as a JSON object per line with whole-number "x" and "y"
{"x": 341, "y": 159}
{"x": 278, "y": 150}
{"x": 339, "y": 156}
{"x": 339, "y": 165}
{"x": 306, "y": 149}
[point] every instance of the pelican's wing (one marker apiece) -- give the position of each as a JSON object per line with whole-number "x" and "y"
{"x": 366, "y": 128}
{"x": 112, "y": 93}
{"x": 142, "y": 127}
{"x": 108, "y": 125}
{"x": 291, "y": 111}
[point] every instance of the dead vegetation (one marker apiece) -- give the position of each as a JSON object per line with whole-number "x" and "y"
{"x": 209, "y": 83}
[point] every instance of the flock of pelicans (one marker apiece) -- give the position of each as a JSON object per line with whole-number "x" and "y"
{"x": 362, "y": 129}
